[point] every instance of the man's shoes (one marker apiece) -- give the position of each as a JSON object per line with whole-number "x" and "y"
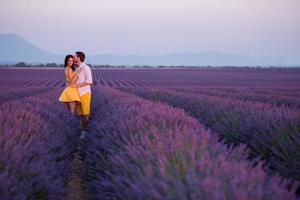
{"x": 83, "y": 134}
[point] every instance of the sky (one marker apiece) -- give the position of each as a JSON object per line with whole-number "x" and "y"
{"x": 155, "y": 27}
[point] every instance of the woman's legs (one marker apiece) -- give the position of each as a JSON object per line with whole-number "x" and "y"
{"x": 66, "y": 105}
{"x": 72, "y": 106}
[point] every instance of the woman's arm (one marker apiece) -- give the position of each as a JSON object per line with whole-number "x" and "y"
{"x": 70, "y": 75}
{"x": 74, "y": 75}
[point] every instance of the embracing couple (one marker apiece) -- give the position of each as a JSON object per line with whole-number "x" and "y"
{"x": 77, "y": 94}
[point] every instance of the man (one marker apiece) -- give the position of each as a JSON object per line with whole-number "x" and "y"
{"x": 83, "y": 84}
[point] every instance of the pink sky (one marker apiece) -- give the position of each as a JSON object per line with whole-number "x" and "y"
{"x": 247, "y": 27}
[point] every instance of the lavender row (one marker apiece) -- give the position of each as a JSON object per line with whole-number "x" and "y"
{"x": 36, "y": 144}
{"x": 271, "y": 132}
{"x": 288, "y": 90}
{"x": 139, "y": 149}
{"x": 274, "y": 97}
{"x": 8, "y": 94}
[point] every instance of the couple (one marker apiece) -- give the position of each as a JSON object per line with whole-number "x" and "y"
{"x": 77, "y": 95}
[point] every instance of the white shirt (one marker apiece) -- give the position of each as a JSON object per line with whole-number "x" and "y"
{"x": 85, "y": 75}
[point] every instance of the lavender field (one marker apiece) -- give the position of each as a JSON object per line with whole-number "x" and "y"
{"x": 211, "y": 133}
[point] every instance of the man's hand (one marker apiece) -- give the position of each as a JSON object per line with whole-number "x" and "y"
{"x": 74, "y": 85}
{"x": 83, "y": 84}
{"x": 79, "y": 85}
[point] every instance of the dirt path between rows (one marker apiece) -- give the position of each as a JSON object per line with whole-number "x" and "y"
{"x": 76, "y": 189}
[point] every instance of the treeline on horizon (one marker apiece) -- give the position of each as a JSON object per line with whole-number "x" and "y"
{"x": 55, "y": 65}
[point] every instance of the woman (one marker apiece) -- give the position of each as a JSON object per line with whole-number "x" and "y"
{"x": 70, "y": 95}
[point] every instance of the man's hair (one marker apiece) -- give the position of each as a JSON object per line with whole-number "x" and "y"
{"x": 81, "y": 55}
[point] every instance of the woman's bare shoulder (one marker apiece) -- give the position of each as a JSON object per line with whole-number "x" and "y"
{"x": 69, "y": 69}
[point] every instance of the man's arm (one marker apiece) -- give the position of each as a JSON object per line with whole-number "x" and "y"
{"x": 83, "y": 84}
{"x": 80, "y": 84}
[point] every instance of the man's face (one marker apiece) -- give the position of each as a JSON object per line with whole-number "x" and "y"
{"x": 76, "y": 58}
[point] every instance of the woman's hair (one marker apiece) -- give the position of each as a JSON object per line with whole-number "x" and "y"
{"x": 66, "y": 61}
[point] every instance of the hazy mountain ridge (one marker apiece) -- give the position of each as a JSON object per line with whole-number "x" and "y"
{"x": 13, "y": 48}
{"x": 16, "y": 49}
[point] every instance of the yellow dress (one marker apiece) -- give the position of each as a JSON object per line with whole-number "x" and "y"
{"x": 69, "y": 94}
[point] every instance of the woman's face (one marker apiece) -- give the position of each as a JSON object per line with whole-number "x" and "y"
{"x": 70, "y": 62}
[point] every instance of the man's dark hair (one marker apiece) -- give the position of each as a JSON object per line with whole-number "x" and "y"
{"x": 81, "y": 55}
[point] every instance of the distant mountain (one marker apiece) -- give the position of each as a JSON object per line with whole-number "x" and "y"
{"x": 13, "y": 48}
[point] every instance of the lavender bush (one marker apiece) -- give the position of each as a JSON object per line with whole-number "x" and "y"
{"x": 36, "y": 144}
